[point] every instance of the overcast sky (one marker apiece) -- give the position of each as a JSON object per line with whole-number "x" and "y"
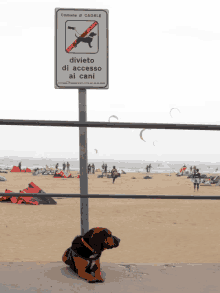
{"x": 162, "y": 55}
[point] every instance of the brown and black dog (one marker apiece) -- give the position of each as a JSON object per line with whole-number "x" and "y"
{"x": 83, "y": 256}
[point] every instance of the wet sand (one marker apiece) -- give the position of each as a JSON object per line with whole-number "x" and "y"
{"x": 151, "y": 230}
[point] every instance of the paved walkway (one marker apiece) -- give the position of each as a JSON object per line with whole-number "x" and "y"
{"x": 56, "y": 277}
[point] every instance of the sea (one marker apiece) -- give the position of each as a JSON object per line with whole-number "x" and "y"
{"x": 126, "y": 165}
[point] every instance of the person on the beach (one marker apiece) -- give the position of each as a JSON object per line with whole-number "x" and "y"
{"x": 194, "y": 169}
{"x": 106, "y": 168}
{"x": 64, "y": 166}
{"x": 114, "y": 174}
{"x": 19, "y": 165}
{"x": 93, "y": 168}
{"x": 57, "y": 166}
{"x": 196, "y": 177}
{"x": 89, "y": 169}
{"x": 68, "y": 166}
{"x": 147, "y": 168}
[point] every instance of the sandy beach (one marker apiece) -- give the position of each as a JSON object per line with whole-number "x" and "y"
{"x": 151, "y": 230}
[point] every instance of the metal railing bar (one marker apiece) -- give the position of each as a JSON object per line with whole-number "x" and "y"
{"x": 109, "y": 124}
{"x": 217, "y": 197}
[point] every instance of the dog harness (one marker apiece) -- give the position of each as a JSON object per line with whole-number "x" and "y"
{"x": 91, "y": 260}
{"x": 87, "y": 245}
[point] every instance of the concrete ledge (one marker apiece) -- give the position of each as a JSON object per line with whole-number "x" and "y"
{"x": 56, "y": 277}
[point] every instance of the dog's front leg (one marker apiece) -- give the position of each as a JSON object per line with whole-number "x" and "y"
{"x": 81, "y": 265}
{"x": 97, "y": 271}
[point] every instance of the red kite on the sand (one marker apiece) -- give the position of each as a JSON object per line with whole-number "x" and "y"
{"x": 32, "y": 188}
{"x": 17, "y": 169}
{"x": 183, "y": 169}
{"x": 62, "y": 174}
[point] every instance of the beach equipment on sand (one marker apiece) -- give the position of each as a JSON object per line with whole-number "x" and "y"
{"x": 218, "y": 183}
{"x": 2, "y": 178}
{"x": 99, "y": 176}
{"x": 147, "y": 177}
{"x": 204, "y": 182}
{"x": 38, "y": 172}
{"x": 32, "y": 188}
{"x": 183, "y": 169}
{"x": 44, "y": 172}
{"x": 17, "y": 169}
{"x": 62, "y": 174}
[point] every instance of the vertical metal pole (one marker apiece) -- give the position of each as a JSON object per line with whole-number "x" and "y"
{"x": 84, "y": 202}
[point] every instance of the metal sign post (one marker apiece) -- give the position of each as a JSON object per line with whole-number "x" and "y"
{"x": 84, "y": 202}
{"x": 81, "y": 62}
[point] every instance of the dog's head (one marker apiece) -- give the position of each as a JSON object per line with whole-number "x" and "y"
{"x": 101, "y": 239}
{"x": 92, "y": 35}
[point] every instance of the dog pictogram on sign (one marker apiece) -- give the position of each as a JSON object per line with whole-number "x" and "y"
{"x": 81, "y": 37}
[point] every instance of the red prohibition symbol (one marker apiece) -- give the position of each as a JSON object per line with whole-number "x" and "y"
{"x": 82, "y": 36}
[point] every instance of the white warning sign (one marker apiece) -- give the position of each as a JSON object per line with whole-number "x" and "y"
{"x": 81, "y": 48}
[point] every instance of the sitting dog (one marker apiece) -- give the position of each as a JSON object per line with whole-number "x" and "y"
{"x": 87, "y": 40}
{"x": 83, "y": 256}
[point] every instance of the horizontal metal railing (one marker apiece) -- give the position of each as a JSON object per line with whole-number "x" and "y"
{"x": 109, "y": 124}
{"x": 138, "y": 196}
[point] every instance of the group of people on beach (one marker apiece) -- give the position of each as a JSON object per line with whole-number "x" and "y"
{"x": 148, "y": 168}
{"x": 64, "y": 166}
{"x": 104, "y": 168}
{"x": 114, "y": 172}
{"x": 91, "y": 168}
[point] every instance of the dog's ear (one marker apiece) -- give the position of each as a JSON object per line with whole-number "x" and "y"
{"x": 106, "y": 231}
{"x": 89, "y": 234}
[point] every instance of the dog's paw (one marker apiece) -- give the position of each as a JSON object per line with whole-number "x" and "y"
{"x": 100, "y": 280}
{"x": 96, "y": 281}
{"x": 92, "y": 281}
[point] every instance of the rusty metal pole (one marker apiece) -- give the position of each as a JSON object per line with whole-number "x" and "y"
{"x": 84, "y": 202}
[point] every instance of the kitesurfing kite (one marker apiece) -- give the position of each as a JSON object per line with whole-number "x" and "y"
{"x": 172, "y": 110}
{"x": 112, "y": 116}
{"x": 141, "y": 134}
